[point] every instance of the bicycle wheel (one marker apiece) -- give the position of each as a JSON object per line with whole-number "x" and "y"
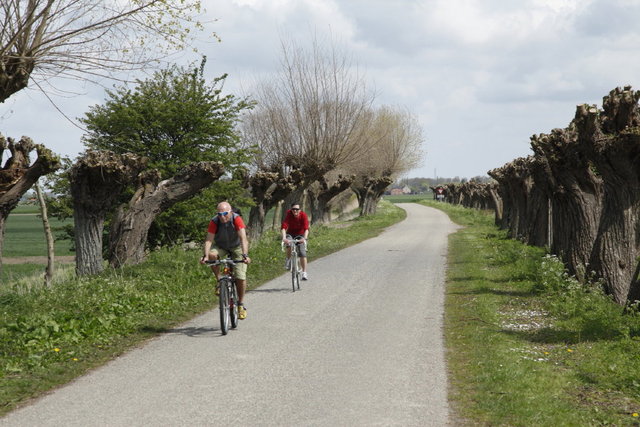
{"x": 295, "y": 276}
{"x": 233, "y": 305}
{"x": 224, "y": 306}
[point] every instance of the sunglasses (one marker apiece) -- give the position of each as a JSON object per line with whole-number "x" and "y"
{"x": 295, "y": 209}
{"x": 223, "y": 213}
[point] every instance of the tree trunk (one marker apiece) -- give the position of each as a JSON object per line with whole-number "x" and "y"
{"x": 616, "y": 156}
{"x": 48, "y": 275}
{"x": 371, "y": 193}
{"x": 497, "y": 204}
{"x": 517, "y": 180}
{"x": 539, "y": 230}
{"x": 97, "y": 179}
{"x": 576, "y": 201}
{"x": 536, "y": 230}
{"x": 18, "y": 174}
{"x": 321, "y": 196}
{"x": 277, "y": 214}
{"x": 130, "y": 226}
{"x": 268, "y": 189}
{"x": 505, "y": 196}
{"x": 256, "y": 222}
{"x": 88, "y": 241}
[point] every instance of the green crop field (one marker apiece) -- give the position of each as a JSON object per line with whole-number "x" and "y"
{"x": 24, "y": 234}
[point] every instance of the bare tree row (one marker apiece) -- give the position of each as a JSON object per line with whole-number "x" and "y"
{"x": 579, "y": 194}
{"x": 317, "y": 132}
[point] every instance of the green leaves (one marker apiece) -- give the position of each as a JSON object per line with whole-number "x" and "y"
{"x": 174, "y": 118}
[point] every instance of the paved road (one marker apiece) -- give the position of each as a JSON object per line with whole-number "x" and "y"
{"x": 360, "y": 344}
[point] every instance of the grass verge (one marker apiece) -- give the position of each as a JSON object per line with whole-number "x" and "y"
{"x": 528, "y": 345}
{"x": 50, "y": 336}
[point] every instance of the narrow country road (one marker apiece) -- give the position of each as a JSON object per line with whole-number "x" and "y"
{"x": 361, "y": 344}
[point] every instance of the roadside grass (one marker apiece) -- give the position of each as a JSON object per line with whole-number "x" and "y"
{"x": 50, "y": 336}
{"x": 527, "y": 344}
{"x": 30, "y": 275}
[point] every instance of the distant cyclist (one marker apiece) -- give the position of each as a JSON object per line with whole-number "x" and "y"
{"x": 228, "y": 232}
{"x": 296, "y": 225}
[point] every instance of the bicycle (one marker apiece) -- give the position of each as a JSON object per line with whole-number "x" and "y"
{"x": 296, "y": 270}
{"x": 228, "y": 297}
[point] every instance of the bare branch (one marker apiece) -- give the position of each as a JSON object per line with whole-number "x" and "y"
{"x": 40, "y": 39}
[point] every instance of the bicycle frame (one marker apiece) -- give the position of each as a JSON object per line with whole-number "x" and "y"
{"x": 295, "y": 261}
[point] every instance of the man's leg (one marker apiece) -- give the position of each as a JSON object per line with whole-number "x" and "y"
{"x": 241, "y": 287}
{"x": 213, "y": 255}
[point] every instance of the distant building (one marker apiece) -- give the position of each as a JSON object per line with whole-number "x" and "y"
{"x": 396, "y": 191}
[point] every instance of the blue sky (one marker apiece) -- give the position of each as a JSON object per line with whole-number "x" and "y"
{"x": 481, "y": 76}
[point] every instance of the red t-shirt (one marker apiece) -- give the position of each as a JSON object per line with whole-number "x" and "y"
{"x": 238, "y": 223}
{"x": 295, "y": 226}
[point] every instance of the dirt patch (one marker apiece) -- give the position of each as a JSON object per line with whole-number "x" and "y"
{"x": 70, "y": 259}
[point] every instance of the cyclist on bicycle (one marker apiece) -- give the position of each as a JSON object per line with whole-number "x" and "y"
{"x": 296, "y": 224}
{"x": 228, "y": 232}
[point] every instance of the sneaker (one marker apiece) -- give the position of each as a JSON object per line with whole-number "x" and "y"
{"x": 304, "y": 275}
{"x": 242, "y": 312}
{"x": 287, "y": 264}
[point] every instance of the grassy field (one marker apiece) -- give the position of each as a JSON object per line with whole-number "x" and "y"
{"x": 24, "y": 234}
{"x": 24, "y": 237}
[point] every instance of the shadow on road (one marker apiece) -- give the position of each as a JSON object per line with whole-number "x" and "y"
{"x": 190, "y": 331}
{"x": 270, "y": 290}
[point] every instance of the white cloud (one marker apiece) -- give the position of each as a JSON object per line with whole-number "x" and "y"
{"x": 482, "y": 76}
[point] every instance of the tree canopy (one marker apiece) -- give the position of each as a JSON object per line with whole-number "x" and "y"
{"x": 173, "y": 118}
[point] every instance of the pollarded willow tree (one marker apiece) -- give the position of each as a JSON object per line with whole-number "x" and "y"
{"x": 270, "y": 179}
{"x": 18, "y": 174}
{"x": 87, "y": 39}
{"x": 175, "y": 118}
{"x": 96, "y": 181}
{"x": 611, "y": 137}
{"x": 394, "y": 140}
{"x": 310, "y": 113}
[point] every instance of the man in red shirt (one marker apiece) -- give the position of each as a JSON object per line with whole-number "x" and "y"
{"x": 296, "y": 225}
{"x": 227, "y": 235}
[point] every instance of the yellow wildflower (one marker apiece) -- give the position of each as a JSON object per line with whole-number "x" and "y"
{"x": 56, "y": 349}
{"x": 635, "y": 414}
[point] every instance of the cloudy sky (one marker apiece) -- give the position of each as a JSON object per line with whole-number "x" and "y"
{"x": 481, "y": 76}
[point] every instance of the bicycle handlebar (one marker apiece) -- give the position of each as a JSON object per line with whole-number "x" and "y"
{"x": 298, "y": 239}
{"x": 224, "y": 261}
{"x": 292, "y": 241}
